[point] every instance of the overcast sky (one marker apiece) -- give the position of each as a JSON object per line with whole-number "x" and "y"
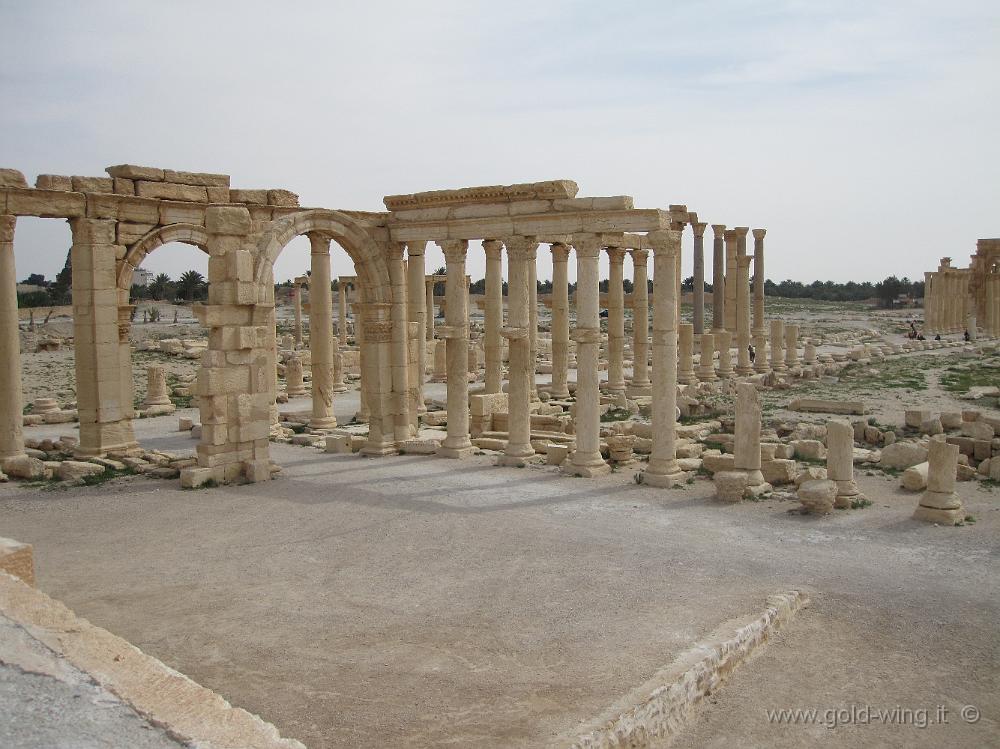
{"x": 865, "y": 136}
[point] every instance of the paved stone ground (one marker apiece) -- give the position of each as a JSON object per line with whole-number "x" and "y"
{"x": 46, "y": 703}
{"x": 418, "y": 601}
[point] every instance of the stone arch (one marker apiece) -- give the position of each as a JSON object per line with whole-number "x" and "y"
{"x": 186, "y": 233}
{"x": 369, "y": 261}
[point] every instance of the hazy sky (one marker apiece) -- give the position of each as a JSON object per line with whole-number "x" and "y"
{"x": 865, "y": 136}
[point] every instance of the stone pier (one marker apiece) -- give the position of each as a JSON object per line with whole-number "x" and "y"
{"x": 759, "y": 326}
{"x": 731, "y": 237}
{"x": 416, "y": 314}
{"x": 746, "y": 444}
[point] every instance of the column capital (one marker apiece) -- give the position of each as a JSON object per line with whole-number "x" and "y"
{"x": 587, "y": 245}
{"x": 741, "y": 231}
{"x": 416, "y": 248}
{"x": 7, "y": 224}
{"x": 743, "y": 261}
{"x": 319, "y": 244}
{"x": 616, "y": 255}
{"x": 699, "y": 229}
{"x": 521, "y": 248}
{"x": 560, "y": 252}
{"x": 665, "y": 241}
{"x": 719, "y": 229}
{"x": 394, "y": 250}
{"x": 730, "y": 235}
{"x": 454, "y": 249}
{"x": 639, "y": 257}
{"x": 758, "y": 234}
{"x": 492, "y": 248}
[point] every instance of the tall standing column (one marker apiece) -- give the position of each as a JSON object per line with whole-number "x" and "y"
{"x": 616, "y": 320}
{"x": 685, "y": 355}
{"x": 430, "y": 308}
{"x": 731, "y": 237}
{"x": 640, "y": 384}
{"x": 560, "y": 321}
{"x": 11, "y": 402}
{"x": 521, "y": 254}
{"x": 699, "y": 277}
{"x": 663, "y": 470}
{"x": 840, "y": 461}
{"x": 416, "y": 312}
{"x": 456, "y": 332}
{"x": 587, "y": 460}
{"x": 321, "y": 333}
{"x": 758, "y": 282}
{"x": 297, "y": 306}
{"x": 533, "y": 329}
{"x": 743, "y": 366}
{"x": 342, "y": 312}
{"x": 494, "y": 315}
{"x": 928, "y": 301}
{"x": 718, "y": 278}
{"x": 399, "y": 354}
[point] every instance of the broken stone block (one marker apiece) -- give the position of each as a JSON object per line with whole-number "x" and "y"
{"x": 555, "y": 455}
{"x": 914, "y": 478}
{"x": 809, "y": 449}
{"x": 24, "y": 467}
{"x": 338, "y": 444}
{"x": 817, "y": 496}
{"x": 816, "y": 405}
{"x": 902, "y": 455}
{"x": 730, "y": 486}
{"x": 779, "y": 471}
{"x": 75, "y": 470}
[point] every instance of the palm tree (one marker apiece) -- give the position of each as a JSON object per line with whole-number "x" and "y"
{"x": 191, "y": 285}
{"x": 160, "y": 286}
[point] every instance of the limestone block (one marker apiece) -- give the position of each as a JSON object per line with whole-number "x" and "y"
{"x": 284, "y": 198}
{"x": 256, "y": 197}
{"x": 75, "y": 470}
{"x": 200, "y": 179}
{"x": 810, "y": 473}
{"x": 217, "y": 194}
{"x": 170, "y": 191}
{"x": 46, "y": 203}
{"x": 133, "y": 172}
{"x": 977, "y": 430}
{"x": 815, "y": 405}
{"x": 54, "y": 182}
{"x": 124, "y": 186}
{"x": 93, "y": 184}
{"x": 730, "y": 486}
{"x": 817, "y": 496}
{"x": 914, "y": 478}
{"x": 971, "y": 415}
{"x": 809, "y": 449}
{"x": 951, "y": 419}
{"x": 435, "y": 418}
{"x": 779, "y": 471}
{"x": 556, "y": 454}
{"x": 178, "y": 212}
{"x": 17, "y": 559}
{"x": 23, "y": 467}
{"x": 12, "y": 178}
{"x": 130, "y": 232}
{"x": 931, "y": 426}
{"x": 915, "y": 417}
{"x": 715, "y": 462}
{"x": 903, "y": 455}
{"x": 233, "y": 220}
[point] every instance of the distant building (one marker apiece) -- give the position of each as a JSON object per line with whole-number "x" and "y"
{"x": 142, "y": 277}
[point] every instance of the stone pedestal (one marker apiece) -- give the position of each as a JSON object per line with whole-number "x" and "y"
{"x": 456, "y": 332}
{"x": 156, "y": 387}
{"x": 940, "y": 503}
{"x": 11, "y": 398}
{"x": 791, "y": 345}
{"x": 663, "y": 469}
{"x": 685, "y": 361}
{"x": 560, "y": 321}
{"x": 640, "y": 384}
{"x": 706, "y": 368}
{"x": 294, "y": 380}
{"x": 840, "y": 461}
{"x": 587, "y": 460}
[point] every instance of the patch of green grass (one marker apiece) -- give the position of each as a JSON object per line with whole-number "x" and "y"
{"x": 210, "y": 484}
{"x": 961, "y": 378}
{"x": 989, "y": 484}
{"x": 109, "y": 474}
{"x": 860, "y": 503}
{"x": 616, "y": 414}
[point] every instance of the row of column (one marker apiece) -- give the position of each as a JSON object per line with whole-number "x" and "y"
{"x": 947, "y": 304}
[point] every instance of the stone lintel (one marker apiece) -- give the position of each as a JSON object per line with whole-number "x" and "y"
{"x": 549, "y": 190}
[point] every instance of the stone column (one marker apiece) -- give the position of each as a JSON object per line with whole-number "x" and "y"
{"x": 105, "y": 422}
{"x": 778, "y": 346}
{"x": 724, "y": 340}
{"x": 743, "y": 316}
{"x": 732, "y": 271}
{"x": 663, "y": 469}
{"x": 706, "y": 367}
{"x": 297, "y": 307}
{"x": 12, "y": 400}
{"x": 718, "y": 278}
{"x": 560, "y": 321}
{"x": 940, "y": 503}
{"x": 399, "y": 355}
{"x": 430, "y": 309}
{"x": 416, "y": 312}
{"x": 321, "y": 339}
{"x": 699, "y": 277}
{"x": 840, "y": 461}
{"x": 378, "y": 373}
{"x": 640, "y": 384}
{"x": 364, "y": 413}
{"x": 616, "y": 321}
{"x": 533, "y": 329}
{"x": 791, "y": 345}
{"x": 521, "y": 254}
{"x": 494, "y": 316}
{"x": 295, "y": 383}
{"x": 156, "y": 387}
{"x": 587, "y": 460}
{"x": 685, "y": 343}
{"x": 342, "y": 320}
{"x": 456, "y": 331}
{"x": 758, "y": 282}
{"x": 809, "y": 352}
{"x": 746, "y": 443}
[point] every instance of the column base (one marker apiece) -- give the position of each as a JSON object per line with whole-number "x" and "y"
{"x": 559, "y": 394}
{"x": 325, "y": 422}
{"x": 82, "y": 451}
{"x": 616, "y": 388}
{"x": 457, "y": 453}
{"x": 378, "y": 449}
{"x": 757, "y": 490}
{"x": 707, "y": 376}
{"x": 588, "y": 471}
{"x": 341, "y": 388}
{"x": 744, "y": 369}
{"x": 726, "y": 374}
{"x": 935, "y": 515}
{"x": 687, "y": 378}
{"x": 514, "y": 461}
{"x": 637, "y": 388}
{"x": 663, "y": 480}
